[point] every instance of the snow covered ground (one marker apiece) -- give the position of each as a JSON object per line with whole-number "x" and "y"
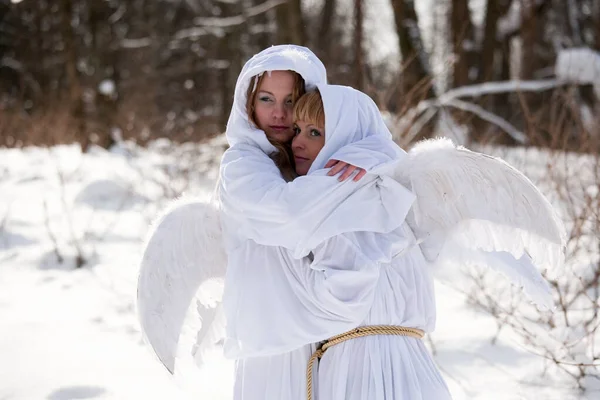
{"x": 72, "y": 333}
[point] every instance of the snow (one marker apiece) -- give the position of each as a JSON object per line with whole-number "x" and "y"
{"x": 107, "y": 87}
{"x": 580, "y": 66}
{"x": 71, "y": 333}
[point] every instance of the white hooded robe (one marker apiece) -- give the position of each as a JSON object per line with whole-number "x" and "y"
{"x": 314, "y": 258}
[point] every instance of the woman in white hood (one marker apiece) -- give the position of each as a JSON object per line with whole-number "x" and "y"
{"x": 312, "y": 258}
{"x": 348, "y": 277}
{"x": 260, "y": 122}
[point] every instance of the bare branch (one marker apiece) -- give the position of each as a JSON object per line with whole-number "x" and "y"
{"x": 136, "y": 43}
{"x": 238, "y": 19}
{"x": 490, "y": 117}
{"x": 117, "y": 15}
{"x": 501, "y": 87}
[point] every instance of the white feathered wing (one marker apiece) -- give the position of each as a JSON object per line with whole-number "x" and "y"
{"x": 473, "y": 207}
{"x": 180, "y": 285}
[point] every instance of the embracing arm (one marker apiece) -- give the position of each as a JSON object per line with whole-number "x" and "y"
{"x": 303, "y": 213}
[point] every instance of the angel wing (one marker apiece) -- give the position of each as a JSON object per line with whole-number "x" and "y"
{"x": 180, "y": 284}
{"x": 471, "y": 205}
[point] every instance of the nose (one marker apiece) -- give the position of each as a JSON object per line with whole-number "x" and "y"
{"x": 280, "y": 112}
{"x": 297, "y": 142}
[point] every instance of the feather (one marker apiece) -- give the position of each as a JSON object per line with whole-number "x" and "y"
{"x": 520, "y": 272}
{"x": 481, "y": 203}
{"x": 180, "y": 284}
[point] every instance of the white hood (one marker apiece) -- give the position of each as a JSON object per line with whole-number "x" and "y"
{"x": 355, "y": 131}
{"x": 275, "y": 58}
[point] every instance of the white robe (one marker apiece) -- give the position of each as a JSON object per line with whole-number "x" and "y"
{"x": 278, "y": 303}
{"x": 282, "y": 303}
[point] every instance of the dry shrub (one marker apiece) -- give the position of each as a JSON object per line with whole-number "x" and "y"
{"x": 50, "y": 126}
{"x": 568, "y": 172}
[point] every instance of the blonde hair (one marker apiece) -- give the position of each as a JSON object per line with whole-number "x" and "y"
{"x": 309, "y": 108}
{"x": 283, "y": 158}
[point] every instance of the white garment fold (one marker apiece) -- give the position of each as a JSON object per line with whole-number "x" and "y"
{"x": 282, "y": 304}
{"x": 300, "y": 215}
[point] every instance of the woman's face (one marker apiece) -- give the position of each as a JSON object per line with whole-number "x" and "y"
{"x": 273, "y": 105}
{"x": 308, "y": 141}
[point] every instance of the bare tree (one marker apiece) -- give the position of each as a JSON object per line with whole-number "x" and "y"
{"x": 596, "y": 24}
{"x": 323, "y": 42}
{"x": 463, "y": 42}
{"x": 416, "y": 78}
{"x": 290, "y": 25}
{"x": 359, "y": 61}
{"x": 72, "y": 75}
{"x": 490, "y": 46}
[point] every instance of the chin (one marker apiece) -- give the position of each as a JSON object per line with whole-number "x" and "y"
{"x": 301, "y": 171}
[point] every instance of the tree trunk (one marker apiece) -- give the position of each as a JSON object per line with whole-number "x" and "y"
{"x": 596, "y": 24}
{"x": 416, "y": 80}
{"x": 263, "y": 38}
{"x": 463, "y": 41}
{"x": 101, "y": 115}
{"x": 73, "y": 80}
{"x": 531, "y": 37}
{"x": 490, "y": 45}
{"x": 290, "y": 29}
{"x": 359, "y": 63}
{"x": 323, "y": 41}
{"x": 229, "y": 49}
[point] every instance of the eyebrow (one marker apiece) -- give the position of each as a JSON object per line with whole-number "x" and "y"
{"x": 313, "y": 126}
{"x": 267, "y": 92}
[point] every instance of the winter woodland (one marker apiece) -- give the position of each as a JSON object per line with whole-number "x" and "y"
{"x": 110, "y": 109}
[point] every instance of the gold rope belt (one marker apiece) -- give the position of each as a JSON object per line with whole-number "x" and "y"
{"x": 361, "y": 331}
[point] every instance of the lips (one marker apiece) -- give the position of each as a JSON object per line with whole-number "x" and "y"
{"x": 299, "y": 159}
{"x": 279, "y": 128}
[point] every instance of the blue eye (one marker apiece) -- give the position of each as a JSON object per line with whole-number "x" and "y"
{"x": 314, "y": 132}
{"x": 265, "y": 99}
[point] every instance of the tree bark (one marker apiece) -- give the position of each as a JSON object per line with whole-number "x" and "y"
{"x": 323, "y": 41}
{"x": 229, "y": 49}
{"x": 73, "y": 79}
{"x": 359, "y": 62}
{"x": 416, "y": 80}
{"x": 490, "y": 45}
{"x": 263, "y": 38}
{"x": 103, "y": 56}
{"x": 463, "y": 41}
{"x": 290, "y": 27}
{"x": 596, "y": 24}
{"x": 531, "y": 27}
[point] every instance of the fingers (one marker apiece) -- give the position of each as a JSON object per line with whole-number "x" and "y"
{"x": 360, "y": 174}
{"x": 347, "y": 173}
{"x": 331, "y": 163}
{"x": 337, "y": 168}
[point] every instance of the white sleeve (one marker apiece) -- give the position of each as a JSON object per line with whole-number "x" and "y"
{"x": 300, "y": 215}
{"x": 285, "y": 304}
